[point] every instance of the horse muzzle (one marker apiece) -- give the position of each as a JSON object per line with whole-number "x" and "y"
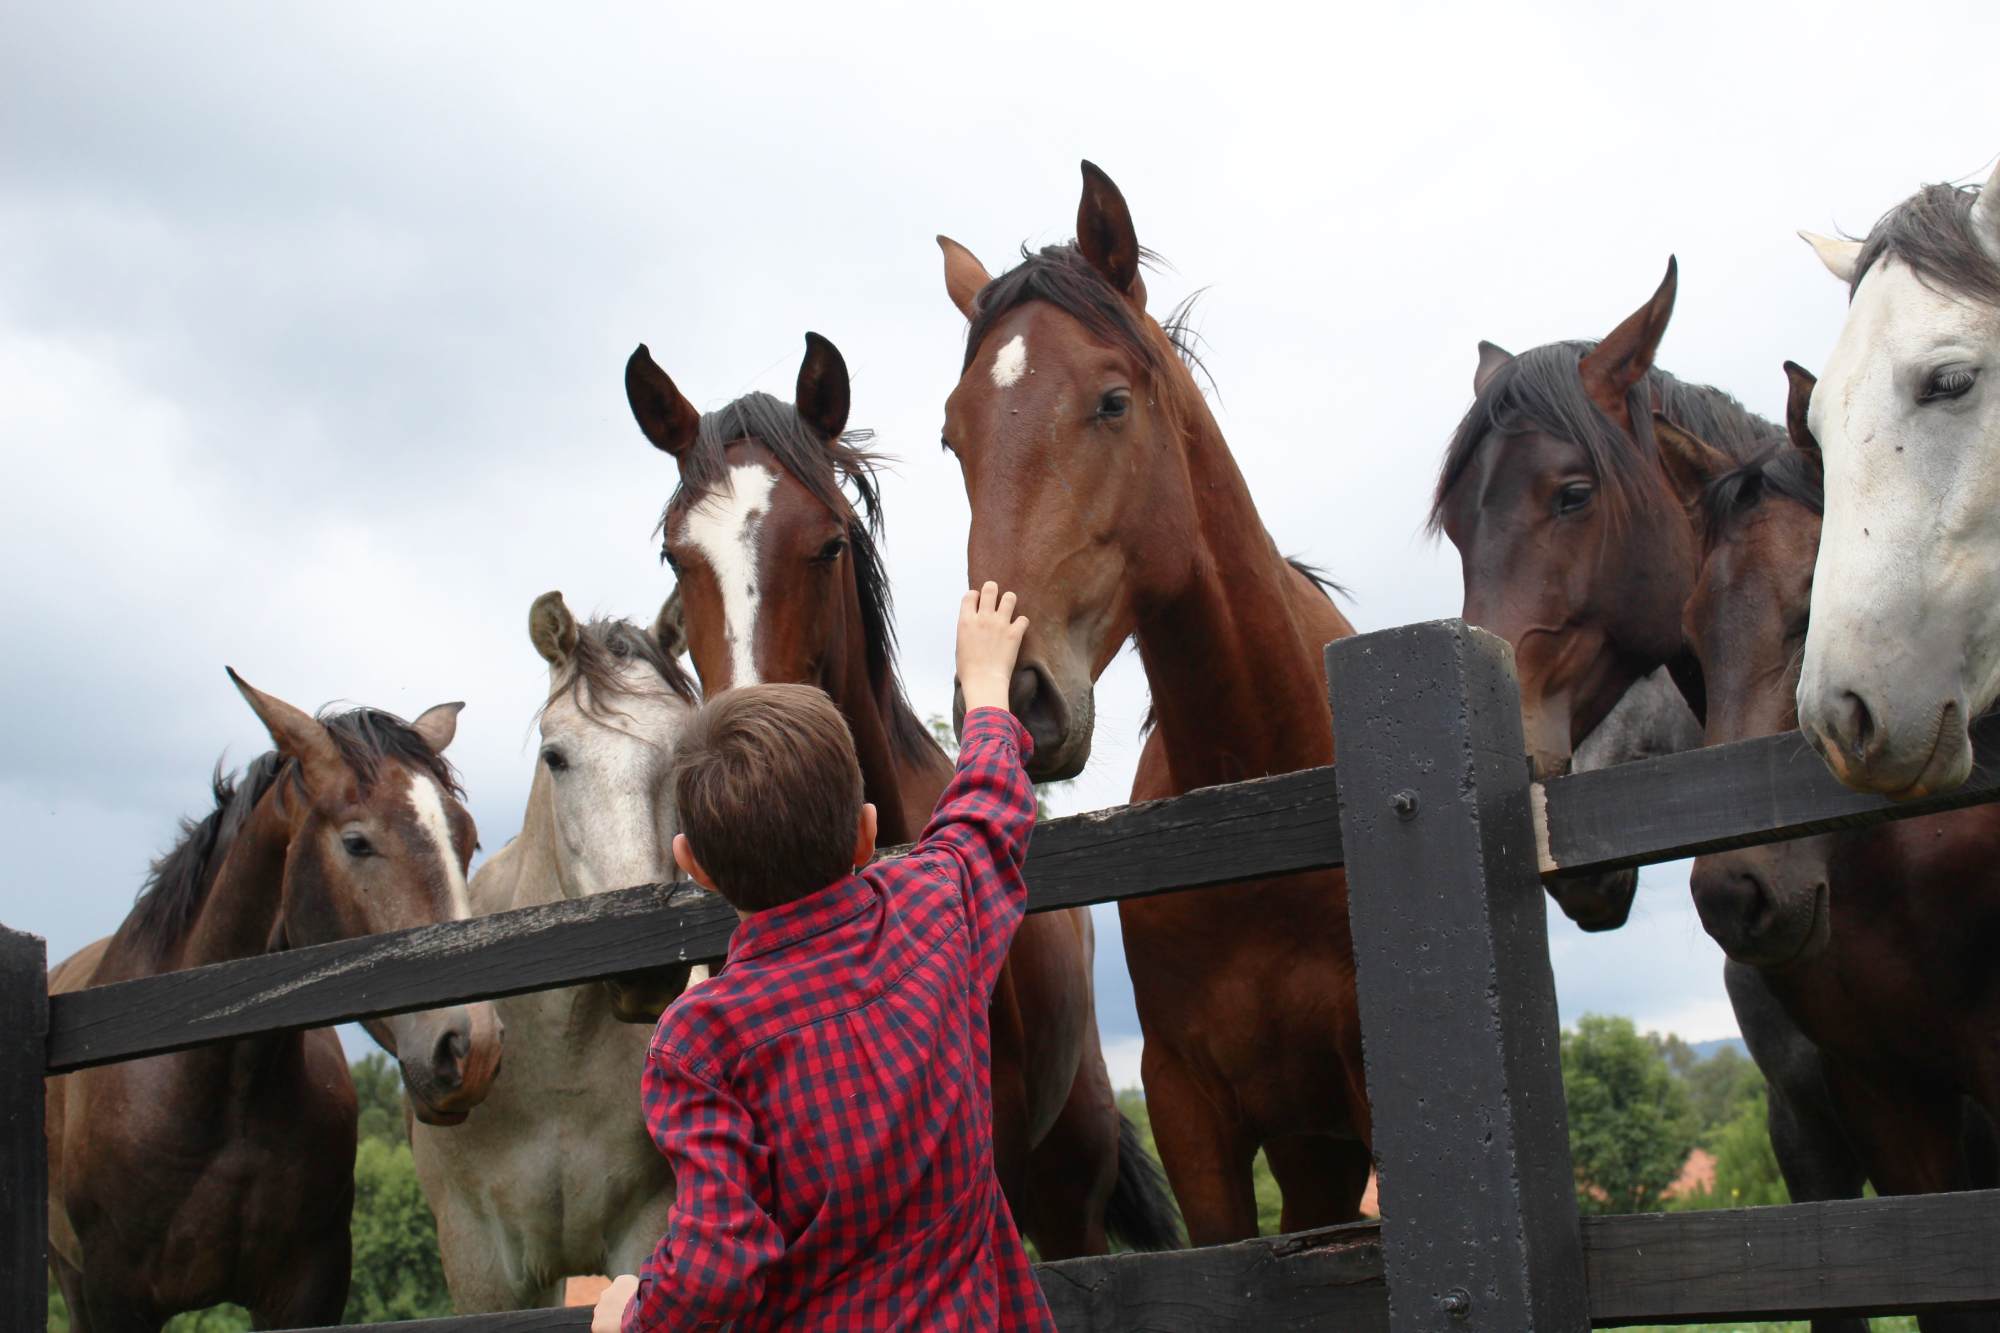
{"x": 449, "y": 1059}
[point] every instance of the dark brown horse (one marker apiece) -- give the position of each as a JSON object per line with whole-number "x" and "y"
{"x": 226, "y": 1173}
{"x": 781, "y": 579}
{"x": 1103, "y": 492}
{"x": 1878, "y": 943}
{"x": 1576, "y": 548}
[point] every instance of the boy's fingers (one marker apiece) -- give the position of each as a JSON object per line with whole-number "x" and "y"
{"x": 989, "y": 595}
{"x": 968, "y": 604}
{"x": 1007, "y": 607}
{"x": 1019, "y": 628}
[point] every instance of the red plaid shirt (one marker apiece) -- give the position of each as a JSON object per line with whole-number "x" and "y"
{"x": 826, "y": 1100}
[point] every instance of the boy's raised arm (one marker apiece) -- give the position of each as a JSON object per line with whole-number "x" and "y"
{"x": 984, "y": 819}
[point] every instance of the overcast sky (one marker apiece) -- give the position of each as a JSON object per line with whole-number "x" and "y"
{"x": 312, "y": 321}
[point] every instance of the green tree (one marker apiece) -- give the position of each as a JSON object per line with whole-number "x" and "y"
{"x": 397, "y": 1272}
{"x": 1746, "y": 1168}
{"x": 1719, "y": 1088}
{"x": 1629, "y": 1124}
{"x": 378, "y": 1092}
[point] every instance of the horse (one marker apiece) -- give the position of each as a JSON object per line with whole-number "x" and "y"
{"x": 1904, "y": 648}
{"x": 1877, "y": 942}
{"x": 1576, "y": 548}
{"x": 556, "y": 1175}
{"x": 226, "y": 1173}
{"x": 1102, "y": 492}
{"x": 781, "y": 578}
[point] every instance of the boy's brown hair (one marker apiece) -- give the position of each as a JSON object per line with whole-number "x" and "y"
{"x": 768, "y": 790}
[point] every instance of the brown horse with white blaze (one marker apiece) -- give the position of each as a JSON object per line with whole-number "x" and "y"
{"x": 781, "y": 579}
{"x": 226, "y": 1173}
{"x": 1102, "y": 492}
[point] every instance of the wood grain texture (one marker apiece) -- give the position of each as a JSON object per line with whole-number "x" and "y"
{"x": 1269, "y": 826}
{"x": 24, "y": 1193}
{"x": 1854, "y": 1256}
{"x": 1726, "y": 796}
{"x": 1458, "y": 1004}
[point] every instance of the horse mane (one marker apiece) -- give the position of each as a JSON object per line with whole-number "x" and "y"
{"x": 828, "y": 470}
{"x": 1931, "y": 231}
{"x": 177, "y": 884}
{"x": 1781, "y": 470}
{"x": 604, "y": 644}
{"x": 1541, "y": 387}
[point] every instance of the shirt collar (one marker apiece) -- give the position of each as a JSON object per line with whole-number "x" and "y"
{"x": 779, "y": 927}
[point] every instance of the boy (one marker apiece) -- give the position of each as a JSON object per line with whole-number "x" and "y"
{"x": 825, "y": 1100}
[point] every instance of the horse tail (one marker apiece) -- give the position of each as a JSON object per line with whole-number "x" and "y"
{"x": 1141, "y": 1212}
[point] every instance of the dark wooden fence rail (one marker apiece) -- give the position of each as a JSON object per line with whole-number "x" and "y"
{"x": 1446, "y": 842}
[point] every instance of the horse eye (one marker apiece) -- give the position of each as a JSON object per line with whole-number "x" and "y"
{"x": 1114, "y": 403}
{"x": 944, "y": 443}
{"x": 667, "y": 559}
{"x": 1573, "y": 497}
{"x": 555, "y": 760}
{"x": 830, "y": 552}
{"x": 1951, "y": 382}
{"x": 356, "y": 845}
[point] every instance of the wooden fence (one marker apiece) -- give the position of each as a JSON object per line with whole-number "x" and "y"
{"x": 1446, "y": 842}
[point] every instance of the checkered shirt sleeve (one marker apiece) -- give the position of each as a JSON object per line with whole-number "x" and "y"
{"x": 709, "y": 1268}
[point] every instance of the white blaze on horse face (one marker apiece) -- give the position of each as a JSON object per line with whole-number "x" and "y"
{"x": 426, "y": 801}
{"x": 1010, "y": 362}
{"x": 724, "y": 527}
{"x": 1906, "y": 590}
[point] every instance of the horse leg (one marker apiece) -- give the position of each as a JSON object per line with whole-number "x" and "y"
{"x": 1322, "y": 1179}
{"x": 70, "y": 1282}
{"x": 1813, "y": 1153}
{"x": 1205, "y": 1149}
{"x": 1071, "y": 1172}
{"x": 1911, "y": 1140}
{"x": 314, "y": 1290}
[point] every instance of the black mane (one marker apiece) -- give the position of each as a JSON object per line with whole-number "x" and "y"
{"x": 827, "y": 471}
{"x": 1060, "y": 275}
{"x": 1541, "y": 387}
{"x": 603, "y": 645}
{"x": 178, "y": 883}
{"x": 1931, "y": 231}
{"x": 1783, "y": 471}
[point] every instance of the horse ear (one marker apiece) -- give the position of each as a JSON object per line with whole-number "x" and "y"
{"x": 1690, "y": 461}
{"x": 964, "y": 276}
{"x": 1611, "y": 368}
{"x": 552, "y": 629}
{"x": 1105, "y": 236}
{"x": 1798, "y": 399}
{"x": 1841, "y": 258}
{"x": 1491, "y": 359}
{"x": 670, "y": 627}
{"x": 822, "y": 395}
{"x": 667, "y": 419}
{"x": 1986, "y": 214}
{"x": 437, "y": 725}
{"x": 298, "y": 735}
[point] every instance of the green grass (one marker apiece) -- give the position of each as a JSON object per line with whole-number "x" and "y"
{"x": 1898, "y": 1324}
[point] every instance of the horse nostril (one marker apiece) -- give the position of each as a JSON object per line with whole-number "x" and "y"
{"x": 1854, "y": 724}
{"x": 448, "y": 1058}
{"x": 1024, "y": 692}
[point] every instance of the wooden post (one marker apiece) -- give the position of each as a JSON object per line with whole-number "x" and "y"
{"x": 24, "y": 1190}
{"x": 1458, "y": 1006}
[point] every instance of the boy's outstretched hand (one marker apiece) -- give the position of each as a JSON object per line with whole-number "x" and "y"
{"x": 609, "y": 1316}
{"x": 989, "y": 639}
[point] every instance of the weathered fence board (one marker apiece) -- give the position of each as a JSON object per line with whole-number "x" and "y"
{"x": 24, "y": 1193}
{"x": 1725, "y": 796}
{"x": 1458, "y": 1002}
{"x": 1856, "y": 1256}
{"x": 1268, "y": 826}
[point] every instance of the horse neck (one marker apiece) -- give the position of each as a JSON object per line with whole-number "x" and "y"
{"x": 1234, "y": 658}
{"x": 240, "y": 913}
{"x": 534, "y": 865}
{"x": 902, "y": 787}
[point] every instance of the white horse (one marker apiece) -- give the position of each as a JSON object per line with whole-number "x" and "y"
{"x": 1903, "y": 649}
{"x": 555, "y": 1176}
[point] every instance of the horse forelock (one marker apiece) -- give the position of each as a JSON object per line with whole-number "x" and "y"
{"x": 1541, "y": 389}
{"x": 1932, "y": 232}
{"x": 594, "y": 675}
